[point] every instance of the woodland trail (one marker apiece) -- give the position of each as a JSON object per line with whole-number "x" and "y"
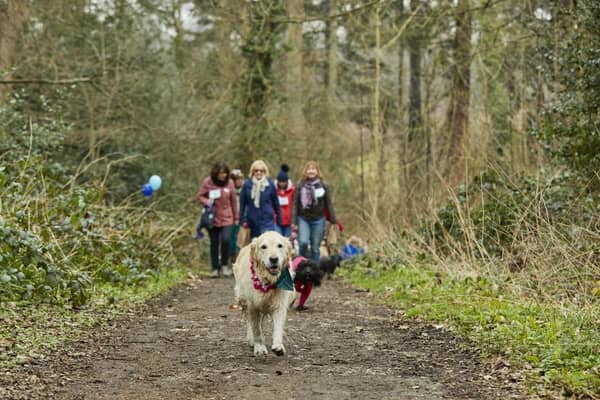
{"x": 190, "y": 344}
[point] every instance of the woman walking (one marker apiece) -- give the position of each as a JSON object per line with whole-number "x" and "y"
{"x": 258, "y": 201}
{"x": 285, "y": 195}
{"x": 312, "y": 200}
{"x": 217, "y": 191}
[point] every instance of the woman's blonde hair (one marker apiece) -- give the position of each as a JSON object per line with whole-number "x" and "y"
{"x": 258, "y": 164}
{"x": 309, "y": 164}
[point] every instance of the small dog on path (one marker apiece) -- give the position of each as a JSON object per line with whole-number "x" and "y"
{"x": 264, "y": 286}
{"x": 329, "y": 264}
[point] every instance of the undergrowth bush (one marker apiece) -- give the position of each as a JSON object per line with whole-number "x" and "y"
{"x": 58, "y": 241}
{"x": 495, "y": 215}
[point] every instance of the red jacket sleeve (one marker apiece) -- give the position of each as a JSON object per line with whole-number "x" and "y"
{"x": 202, "y": 195}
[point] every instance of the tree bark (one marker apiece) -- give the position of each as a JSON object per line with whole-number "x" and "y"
{"x": 415, "y": 116}
{"x": 403, "y": 177}
{"x": 376, "y": 111}
{"x": 256, "y": 83}
{"x": 458, "y": 110}
{"x": 178, "y": 43}
{"x": 294, "y": 68}
{"x": 332, "y": 64}
{"x": 12, "y": 17}
{"x": 228, "y": 16}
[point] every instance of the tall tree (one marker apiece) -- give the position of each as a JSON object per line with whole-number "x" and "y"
{"x": 376, "y": 113}
{"x": 262, "y": 45}
{"x": 294, "y": 68}
{"x": 458, "y": 109}
{"x": 13, "y": 15}
{"x": 403, "y": 176}
{"x": 415, "y": 112}
{"x": 414, "y": 138}
{"x": 332, "y": 62}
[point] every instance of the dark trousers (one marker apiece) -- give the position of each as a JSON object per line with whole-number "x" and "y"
{"x": 220, "y": 236}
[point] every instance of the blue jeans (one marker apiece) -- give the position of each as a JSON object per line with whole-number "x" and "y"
{"x": 311, "y": 233}
{"x": 284, "y": 230}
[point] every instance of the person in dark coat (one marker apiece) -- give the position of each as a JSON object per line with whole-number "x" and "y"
{"x": 258, "y": 201}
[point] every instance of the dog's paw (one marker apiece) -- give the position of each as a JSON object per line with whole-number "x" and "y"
{"x": 279, "y": 350}
{"x": 260, "y": 350}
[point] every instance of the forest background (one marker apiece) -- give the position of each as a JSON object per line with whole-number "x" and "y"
{"x": 460, "y": 136}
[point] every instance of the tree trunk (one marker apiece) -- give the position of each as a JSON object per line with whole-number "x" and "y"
{"x": 458, "y": 111}
{"x": 12, "y": 16}
{"x": 403, "y": 176}
{"x": 178, "y": 44}
{"x": 415, "y": 116}
{"x": 294, "y": 70}
{"x": 332, "y": 57}
{"x": 376, "y": 111}
{"x": 228, "y": 15}
{"x": 263, "y": 35}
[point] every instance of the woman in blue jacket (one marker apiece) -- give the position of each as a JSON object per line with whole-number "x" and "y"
{"x": 258, "y": 201}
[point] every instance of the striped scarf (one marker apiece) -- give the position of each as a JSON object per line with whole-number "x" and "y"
{"x": 307, "y": 193}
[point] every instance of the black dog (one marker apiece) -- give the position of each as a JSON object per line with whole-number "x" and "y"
{"x": 329, "y": 264}
{"x": 308, "y": 271}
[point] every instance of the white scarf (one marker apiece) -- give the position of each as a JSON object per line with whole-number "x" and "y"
{"x": 258, "y": 186}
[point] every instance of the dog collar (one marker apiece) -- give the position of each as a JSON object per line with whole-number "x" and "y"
{"x": 283, "y": 282}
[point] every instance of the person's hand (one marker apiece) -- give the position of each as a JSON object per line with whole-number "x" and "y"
{"x": 293, "y": 235}
{"x": 245, "y": 225}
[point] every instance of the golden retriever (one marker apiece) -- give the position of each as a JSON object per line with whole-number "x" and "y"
{"x": 257, "y": 269}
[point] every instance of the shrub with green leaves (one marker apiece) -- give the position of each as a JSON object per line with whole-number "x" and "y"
{"x": 57, "y": 239}
{"x": 571, "y": 120}
{"x": 499, "y": 215}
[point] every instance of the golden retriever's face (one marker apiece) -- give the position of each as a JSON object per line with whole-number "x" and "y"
{"x": 272, "y": 251}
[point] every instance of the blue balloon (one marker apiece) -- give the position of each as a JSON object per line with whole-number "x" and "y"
{"x": 147, "y": 190}
{"x": 155, "y": 182}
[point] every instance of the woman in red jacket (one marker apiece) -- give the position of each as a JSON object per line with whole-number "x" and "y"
{"x": 218, "y": 191}
{"x": 285, "y": 195}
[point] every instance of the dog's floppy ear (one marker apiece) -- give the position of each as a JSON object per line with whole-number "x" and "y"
{"x": 253, "y": 249}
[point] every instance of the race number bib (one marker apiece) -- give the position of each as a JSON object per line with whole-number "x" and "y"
{"x": 283, "y": 201}
{"x": 214, "y": 194}
{"x": 319, "y": 192}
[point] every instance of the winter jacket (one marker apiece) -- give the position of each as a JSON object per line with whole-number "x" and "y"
{"x": 286, "y": 199}
{"x": 317, "y": 210}
{"x": 350, "y": 251}
{"x": 225, "y": 207}
{"x": 263, "y": 215}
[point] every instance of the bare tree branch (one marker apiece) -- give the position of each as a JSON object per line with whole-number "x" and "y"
{"x": 44, "y": 81}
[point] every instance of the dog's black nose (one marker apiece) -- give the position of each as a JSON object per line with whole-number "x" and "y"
{"x": 274, "y": 260}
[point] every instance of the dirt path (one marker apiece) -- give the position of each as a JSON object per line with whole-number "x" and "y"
{"x": 190, "y": 345}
